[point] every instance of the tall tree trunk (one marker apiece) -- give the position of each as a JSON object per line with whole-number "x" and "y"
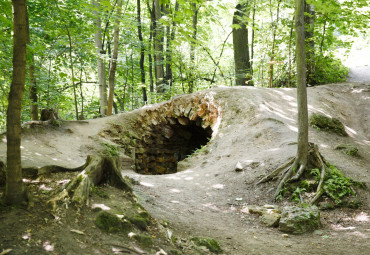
{"x": 142, "y": 48}
{"x": 33, "y": 90}
{"x": 274, "y": 29}
{"x": 310, "y": 41}
{"x": 151, "y": 45}
{"x": 113, "y": 62}
{"x": 290, "y": 55}
{"x": 101, "y": 65}
{"x": 14, "y": 190}
{"x": 241, "y": 46}
{"x": 192, "y": 48}
{"x": 302, "y": 152}
{"x": 73, "y": 74}
{"x": 253, "y": 35}
{"x": 158, "y": 48}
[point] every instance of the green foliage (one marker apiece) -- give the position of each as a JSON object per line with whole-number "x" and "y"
{"x": 296, "y": 196}
{"x": 111, "y": 150}
{"x": 337, "y": 185}
{"x": 328, "y": 69}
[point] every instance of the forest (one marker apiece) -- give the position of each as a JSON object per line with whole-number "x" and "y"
{"x": 184, "y": 126}
{"x": 86, "y": 60}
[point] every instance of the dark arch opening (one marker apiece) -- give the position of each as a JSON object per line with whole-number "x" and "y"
{"x": 168, "y": 143}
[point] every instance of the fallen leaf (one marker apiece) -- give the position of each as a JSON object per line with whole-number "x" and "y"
{"x": 6, "y": 251}
{"x": 77, "y": 231}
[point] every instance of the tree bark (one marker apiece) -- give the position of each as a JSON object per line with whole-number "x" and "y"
{"x": 158, "y": 48}
{"x": 34, "y": 110}
{"x": 142, "y": 48}
{"x": 241, "y": 46}
{"x": 113, "y": 63}
{"x": 101, "y": 63}
{"x": 310, "y": 41}
{"x": 302, "y": 152}
{"x": 272, "y": 57}
{"x": 14, "y": 190}
{"x": 192, "y": 47}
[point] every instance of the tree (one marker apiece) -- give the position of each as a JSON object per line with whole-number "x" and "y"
{"x": 14, "y": 191}
{"x": 101, "y": 64}
{"x": 113, "y": 65}
{"x": 158, "y": 47}
{"x": 240, "y": 42}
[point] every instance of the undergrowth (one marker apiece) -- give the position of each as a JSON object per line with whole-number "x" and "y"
{"x": 336, "y": 186}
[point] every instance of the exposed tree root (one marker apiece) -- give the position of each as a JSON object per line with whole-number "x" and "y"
{"x": 98, "y": 170}
{"x": 315, "y": 160}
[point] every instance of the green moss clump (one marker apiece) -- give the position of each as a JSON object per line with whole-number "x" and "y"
{"x": 140, "y": 220}
{"x": 108, "y": 222}
{"x": 323, "y": 122}
{"x": 99, "y": 192}
{"x": 143, "y": 240}
{"x": 348, "y": 149}
{"x": 211, "y": 244}
{"x": 174, "y": 252}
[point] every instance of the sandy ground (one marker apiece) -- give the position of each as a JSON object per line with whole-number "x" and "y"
{"x": 207, "y": 198}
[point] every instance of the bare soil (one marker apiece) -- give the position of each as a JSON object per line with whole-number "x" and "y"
{"x": 207, "y": 197}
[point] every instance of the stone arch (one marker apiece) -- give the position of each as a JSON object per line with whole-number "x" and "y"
{"x": 171, "y": 131}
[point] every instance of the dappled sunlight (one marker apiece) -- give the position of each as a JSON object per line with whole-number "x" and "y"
{"x": 293, "y": 128}
{"x": 147, "y": 184}
{"x": 362, "y": 217}
{"x": 43, "y": 187}
{"x": 175, "y": 202}
{"x": 64, "y": 182}
{"x": 189, "y": 178}
{"x": 274, "y": 149}
{"x": 101, "y": 206}
{"x": 275, "y": 110}
{"x": 4, "y": 140}
{"x": 48, "y": 246}
{"x": 324, "y": 146}
{"x": 38, "y": 154}
{"x": 341, "y": 228}
{"x": 218, "y": 186}
{"x": 175, "y": 191}
{"x": 350, "y": 130}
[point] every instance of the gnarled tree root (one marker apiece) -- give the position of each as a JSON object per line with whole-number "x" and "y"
{"x": 99, "y": 169}
{"x": 314, "y": 160}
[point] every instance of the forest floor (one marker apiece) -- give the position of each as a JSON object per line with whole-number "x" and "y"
{"x": 207, "y": 197}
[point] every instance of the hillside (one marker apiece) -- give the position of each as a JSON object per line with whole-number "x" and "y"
{"x": 206, "y": 197}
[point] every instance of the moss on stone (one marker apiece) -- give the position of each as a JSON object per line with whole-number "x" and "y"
{"x": 140, "y": 220}
{"x": 348, "y": 149}
{"x": 211, "y": 244}
{"x": 108, "y": 222}
{"x": 332, "y": 125}
{"x": 144, "y": 240}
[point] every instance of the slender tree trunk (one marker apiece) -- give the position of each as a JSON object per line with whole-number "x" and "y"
{"x": 302, "y": 152}
{"x": 310, "y": 41}
{"x": 142, "y": 48}
{"x": 290, "y": 55}
{"x": 241, "y": 46}
{"x": 73, "y": 75}
{"x": 101, "y": 64}
{"x": 253, "y": 36}
{"x": 192, "y": 48}
{"x": 158, "y": 48}
{"x": 151, "y": 46}
{"x": 272, "y": 57}
{"x": 323, "y": 37}
{"x": 14, "y": 190}
{"x": 113, "y": 62}
{"x": 33, "y": 90}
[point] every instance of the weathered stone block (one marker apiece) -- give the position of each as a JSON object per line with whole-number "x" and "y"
{"x": 299, "y": 220}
